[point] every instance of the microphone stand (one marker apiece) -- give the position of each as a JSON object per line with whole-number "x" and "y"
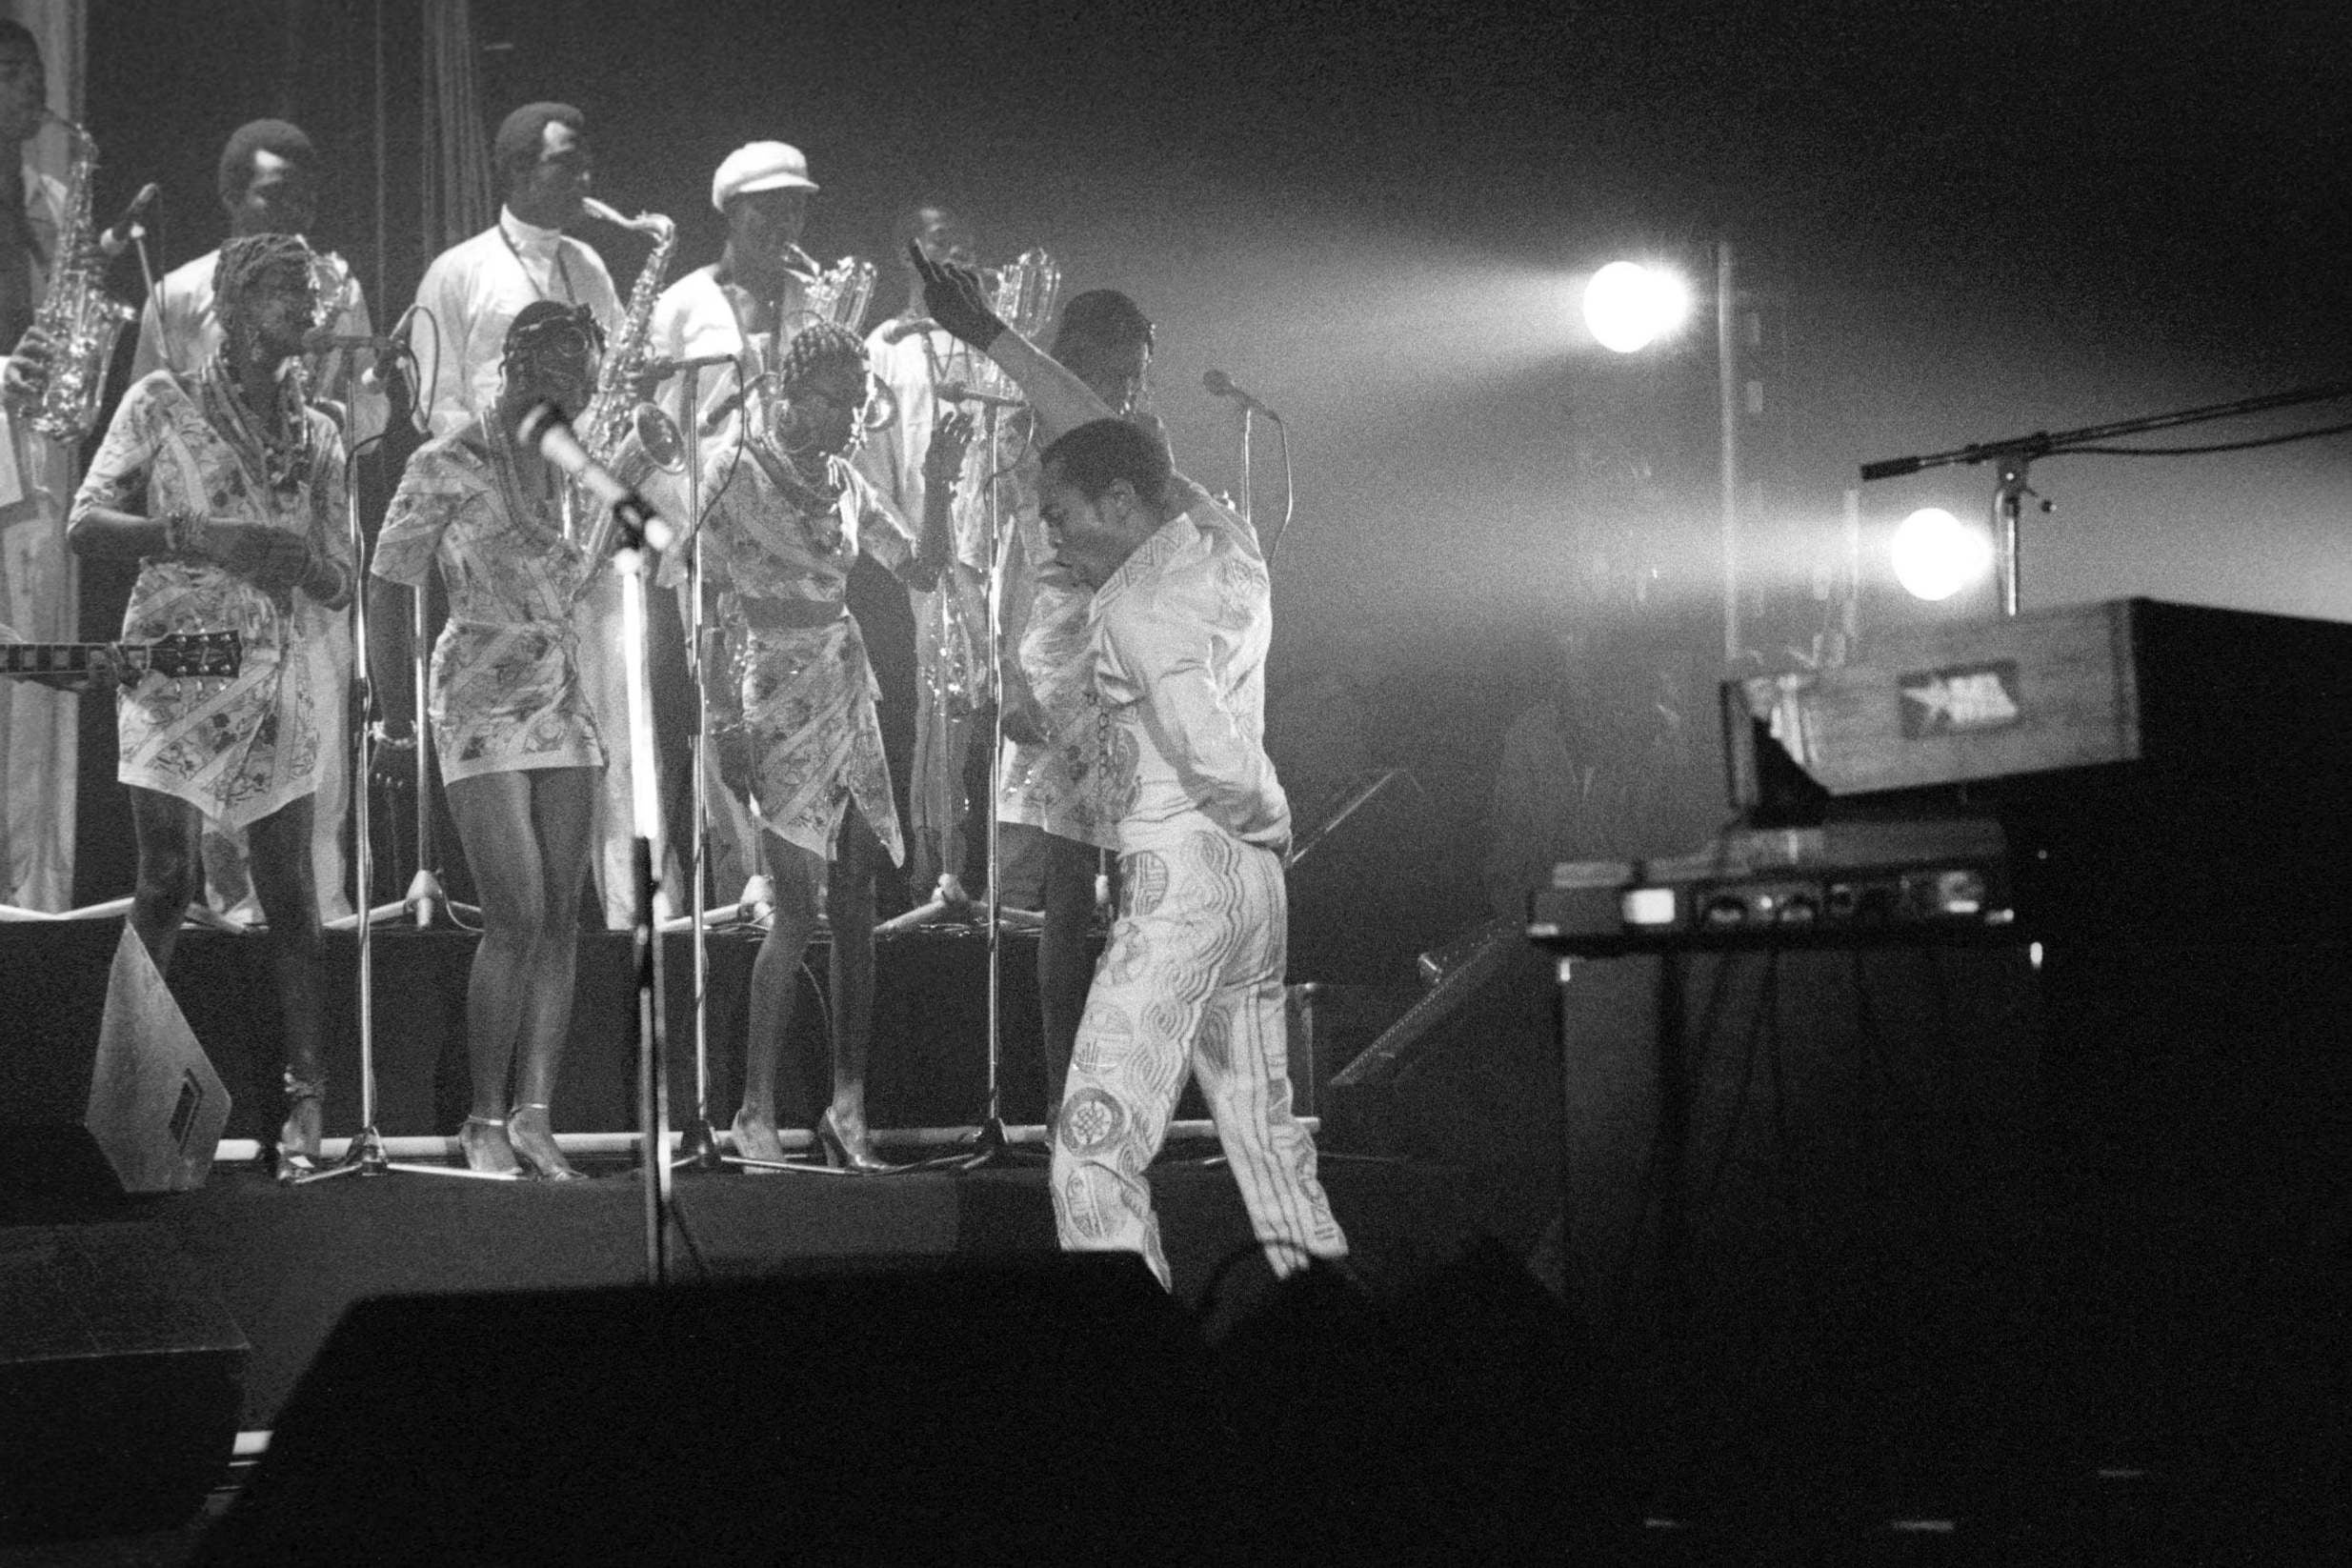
{"x": 365, "y": 1154}
{"x": 2012, "y": 457}
{"x": 697, "y": 1139}
{"x": 992, "y": 1145}
{"x": 645, "y": 791}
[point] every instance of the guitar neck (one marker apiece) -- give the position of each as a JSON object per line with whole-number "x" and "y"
{"x": 61, "y": 658}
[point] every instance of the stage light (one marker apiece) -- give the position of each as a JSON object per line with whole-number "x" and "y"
{"x": 1936, "y": 555}
{"x": 1629, "y": 306}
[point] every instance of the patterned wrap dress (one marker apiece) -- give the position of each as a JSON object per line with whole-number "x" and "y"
{"x": 807, "y": 692}
{"x": 243, "y": 748}
{"x": 506, "y": 674}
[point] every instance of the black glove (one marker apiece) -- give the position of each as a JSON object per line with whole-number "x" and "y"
{"x": 952, "y": 297}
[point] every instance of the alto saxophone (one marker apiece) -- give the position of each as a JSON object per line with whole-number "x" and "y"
{"x": 616, "y": 417}
{"x": 77, "y": 316}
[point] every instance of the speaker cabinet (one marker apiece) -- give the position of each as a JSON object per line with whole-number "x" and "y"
{"x": 1055, "y": 1407}
{"x": 121, "y": 1375}
{"x": 124, "y": 1101}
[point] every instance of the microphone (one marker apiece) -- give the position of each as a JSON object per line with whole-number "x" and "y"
{"x": 957, "y": 392}
{"x": 1220, "y": 385}
{"x": 900, "y": 330}
{"x": 320, "y": 341}
{"x": 546, "y": 428}
{"x": 662, "y": 370}
{"x": 117, "y": 238}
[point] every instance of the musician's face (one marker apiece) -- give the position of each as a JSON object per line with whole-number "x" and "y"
{"x": 280, "y": 198}
{"x": 821, "y": 410}
{"x": 560, "y": 368}
{"x": 23, "y": 93}
{"x": 943, "y": 237}
{"x": 550, "y": 191}
{"x": 282, "y": 305}
{"x": 1091, "y": 537}
{"x": 767, "y": 224}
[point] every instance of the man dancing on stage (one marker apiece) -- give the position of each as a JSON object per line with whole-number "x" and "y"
{"x": 268, "y": 185}
{"x": 1053, "y": 821}
{"x": 1181, "y": 626}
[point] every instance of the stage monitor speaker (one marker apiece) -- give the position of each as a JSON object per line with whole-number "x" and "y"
{"x": 141, "y": 1113}
{"x": 121, "y": 1375}
{"x": 1046, "y": 1407}
{"x": 1807, "y": 1191}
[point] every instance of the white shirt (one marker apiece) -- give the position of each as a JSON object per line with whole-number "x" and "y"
{"x": 179, "y": 331}
{"x": 472, "y": 292}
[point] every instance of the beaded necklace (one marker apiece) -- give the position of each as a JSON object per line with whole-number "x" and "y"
{"x": 280, "y": 460}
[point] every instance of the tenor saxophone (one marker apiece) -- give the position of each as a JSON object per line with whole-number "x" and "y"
{"x": 615, "y": 417}
{"x": 80, "y": 320}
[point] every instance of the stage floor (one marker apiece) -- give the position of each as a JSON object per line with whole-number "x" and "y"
{"x": 286, "y": 1262}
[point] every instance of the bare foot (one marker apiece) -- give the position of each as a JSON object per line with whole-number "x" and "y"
{"x": 755, "y": 1138}
{"x": 483, "y": 1140}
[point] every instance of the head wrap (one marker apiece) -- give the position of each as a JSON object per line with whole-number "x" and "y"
{"x": 288, "y": 141}
{"x": 246, "y": 257}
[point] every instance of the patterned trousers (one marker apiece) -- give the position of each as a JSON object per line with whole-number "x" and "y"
{"x": 1192, "y": 981}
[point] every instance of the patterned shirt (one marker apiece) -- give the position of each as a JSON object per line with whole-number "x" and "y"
{"x": 1180, "y": 634}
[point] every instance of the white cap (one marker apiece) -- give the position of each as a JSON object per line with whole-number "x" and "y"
{"x": 759, "y": 166}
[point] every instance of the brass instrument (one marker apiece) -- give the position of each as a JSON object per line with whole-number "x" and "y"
{"x": 79, "y": 319}
{"x": 1022, "y": 293}
{"x": 840, "y": 295}
{"x": 620, "y": 431}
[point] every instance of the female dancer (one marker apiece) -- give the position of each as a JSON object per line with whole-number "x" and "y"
{"x": 519, "y": 751}
{"x": 794, "y": 721}
{"x": 229, "y": 492}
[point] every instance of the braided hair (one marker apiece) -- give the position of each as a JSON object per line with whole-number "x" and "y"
{"x": 819, "y": 345}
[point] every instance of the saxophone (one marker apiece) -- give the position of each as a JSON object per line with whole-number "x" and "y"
{"x": 616, "y": 418}
{"x": 79, "y": 319}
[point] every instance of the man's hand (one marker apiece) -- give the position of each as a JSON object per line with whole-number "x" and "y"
{"x": 953, "y": 297}
{"x": 27, "y": 369}
{"x": 1024, "y": 717}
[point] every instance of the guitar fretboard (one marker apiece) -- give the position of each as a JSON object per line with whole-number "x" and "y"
{"x": 56, "y": 658}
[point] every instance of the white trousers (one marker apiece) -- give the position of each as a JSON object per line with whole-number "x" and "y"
{"x": 1193, "y": 981}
